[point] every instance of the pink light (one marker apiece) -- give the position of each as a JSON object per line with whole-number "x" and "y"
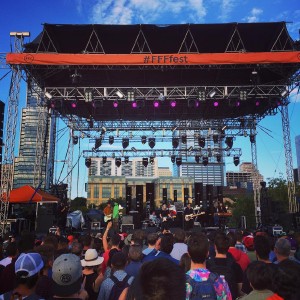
{"x": 173, "y": 103}
{"x": 52, "y": 104}
{"x": 73, "y": 104}
{"x": 216, "y": 104}
{"x": 156, "y": 104}
{"x": 257, "y": 103}
{"x": 238, "y": 103}
{"x": 115, "y": 104}
{"x": 134, "y": 104}
{"x": 197, "y": 103}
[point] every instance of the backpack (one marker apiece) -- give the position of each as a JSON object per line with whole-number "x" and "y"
{"x": 226, "y": 271}
{"x": 118, "y": 287}
{"x": 203, "y": 290}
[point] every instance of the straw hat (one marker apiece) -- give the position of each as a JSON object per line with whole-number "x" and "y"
{"x": 91, "y": 258}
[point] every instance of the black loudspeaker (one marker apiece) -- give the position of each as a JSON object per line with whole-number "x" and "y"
{"x": 150, "y": 195}
{"x": 186, "y": 196}
{"x": 139, "y": 198}
{"x": 165, "y": 195}
{"x": 128, "y": 199}
{"x": 151, "y": 230}
{"x": 209, "y": 195}
{"x": 198, "y": 193}
{"x": 137, "y": 219}
{"x": 43, "y": 223}
{"x": 220, "y": 194}
{"x": 175, "y": 195}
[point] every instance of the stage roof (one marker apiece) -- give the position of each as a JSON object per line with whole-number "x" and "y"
{"x": 166, "y": 62}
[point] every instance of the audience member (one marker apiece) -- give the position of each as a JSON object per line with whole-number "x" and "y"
{"x": 185, "y": 262}
{"x": 239, "y": 241}
{"x": 179, "y": 248}
{"x": 135, "y": 256}
{"x": 151, "y": 241}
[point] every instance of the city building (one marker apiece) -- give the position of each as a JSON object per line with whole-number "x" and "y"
{"x": 297, "y": 142}
{"x": 164, "y": 172}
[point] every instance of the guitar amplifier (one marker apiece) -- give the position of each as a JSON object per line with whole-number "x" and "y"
{"x": 127, "y": 228}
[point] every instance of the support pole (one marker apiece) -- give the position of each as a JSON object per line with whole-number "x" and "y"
{"x": 70, "y": 163}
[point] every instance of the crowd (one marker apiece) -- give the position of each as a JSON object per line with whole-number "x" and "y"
{"x": 154, "y": 265}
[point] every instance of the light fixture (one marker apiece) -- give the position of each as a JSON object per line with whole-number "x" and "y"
{"x": 193, "y": 103}
{"x": 257, "y": 103}
{"x": 219, "y": 158}
{"x": 118, "y": 161}
{"x": 234, "y": 103}
{"x": 243, "y": 95}
{"x": 175, "y": 142}
{"x": 229, "y": 142}
{"x": 88, "y": 162}
{"x": 75, "y": 139}
{"x": 283, "y": 93}
{"x": 111, "y": 139}
{"x": 126, "y": 159}
{"x": 197, "y": 159}
{"x": 143, "y": 139}
{"x": 119, "y": 94}
{"x": 201, "y": 96}
{"x": 161, "y": 97}
{"x": 125, "y": 143}
{"x": 201, "y": 142}
{"x": 88, "y": 95}
{"x": 173, "y": 157}
{"x": 133, "y": 149}
{"x": 205, "y": 160}
{"x": 115, "y": 103}
{"x": 104, "y": 159}
{"x": 173, "y": 103}
{"x": 145, "y": 162}
{"x": 178, "y": 161}
{"x": 48, "y": 95}
{"x": 130, "y": 96}
{"x": 236, "y": 160}
{"x": 75, "y": 77}
{"x": 156, "y": 103}
{"x": 252, "y": 138}
{"x": 151, "y": 142}
{"x": 212, "y": 93}
{"x": 190, "y": 149}
{"x": 151, "y": 160}
{"x": 183, "y": 139}
{"x": 98, "y": 143}
{"x": 134, "y": 104}
{"x": 216, "y": 103}
{"x": 74, "y": 103}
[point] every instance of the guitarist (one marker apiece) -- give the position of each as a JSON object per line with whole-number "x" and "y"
{"x": 108, "y": 212}
{"x": 188, "y": 225}
{"x": 165, "y": 217}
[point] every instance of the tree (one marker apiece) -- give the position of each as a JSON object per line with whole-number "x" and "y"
{"x": 277, "y": 191}
{"x": 79, "y": 203}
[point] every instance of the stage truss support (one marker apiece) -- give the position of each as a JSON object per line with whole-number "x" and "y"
{"x": 70, "y": 162}
{"x": 293, "y": 206}
{"x": 10, "y": 136}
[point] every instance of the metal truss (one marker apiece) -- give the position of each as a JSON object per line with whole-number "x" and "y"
{"x": 70, "y": 163}
{"x": 3, "y": 64}
{"x": 293, "y": 205}
{"x": 89, "y": 94}
{"x": 10, "y": 137}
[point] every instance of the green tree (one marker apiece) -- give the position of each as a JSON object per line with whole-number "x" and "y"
{"x": 79, "y": 203}
{"x": 277, "y": 191}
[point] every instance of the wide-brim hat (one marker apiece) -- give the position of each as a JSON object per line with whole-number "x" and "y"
{"x": 91, "y": 258}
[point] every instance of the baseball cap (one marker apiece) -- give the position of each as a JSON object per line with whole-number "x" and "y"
{"x": 91, "y": 258}
{"x": 31, "y": 263}
{"x": 66, "y": 275}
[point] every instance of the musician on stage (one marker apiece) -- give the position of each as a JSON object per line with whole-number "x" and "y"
{"x": 165, "y": 217}
{"x": 221, "y": 210}
{"x": 189, "y": 212}
{"x": 62, "y": 213}
{"x": 108, "y": 212}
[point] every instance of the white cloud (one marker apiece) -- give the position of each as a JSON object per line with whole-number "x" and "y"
{"x": 254, "y": 15}
{"x": 226, "y": 8}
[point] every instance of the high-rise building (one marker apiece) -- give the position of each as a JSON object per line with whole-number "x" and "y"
{"x": 297, "y": 142}
{"x": 25, "y": 162}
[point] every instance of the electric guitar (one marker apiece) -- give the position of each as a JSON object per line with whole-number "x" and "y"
{"x": 107, "y": 217}
{"x": 191, "y": 216}
{"x": 164, "y": 219}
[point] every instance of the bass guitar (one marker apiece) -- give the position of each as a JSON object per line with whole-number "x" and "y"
{"x": 191, "y": 216}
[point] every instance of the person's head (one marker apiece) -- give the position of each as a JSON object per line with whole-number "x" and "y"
{"x": 27, "y": 268}
{"x": 11, "y": 249}
{"x": 47, "y": 252}
{"x": 86, "y": 240}
{"x": 111, "y": 253}
{"x": 159, "y": 279}
{"x": 259, "y": 275}
{"x": 109, "y": 203}
{"x": 164, "y": 206}
{"x": 118, "y": 261}
{"x": 77, "y": 248}
{"x": 166, "y": 243}
{"x": 152, "y": 239}
{"x": 198, "y": 246}
{"x": 66, "y": 275}
{"x": 135, "y": 253}
{"x": 91, "y": 259}
{"x": 189, "y": 205}
{"x": 231, "y": 238}
{"x": 239, "y": 235}
{"x": 262, "y": 247}
{"x": 138, "y": 234}
{"x": 179, "y": 235}
{"x": 115, "y": 240}
{"x": 51, "y": 240}
{"x": 185, "y": 262}
{"x": 221, "y": 243}
{"x": 282, "y": 248}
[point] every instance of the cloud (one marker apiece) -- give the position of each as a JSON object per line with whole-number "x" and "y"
{"x": 295, "y": 96}
{"x": 78, "y": 4}
{"x": 254, "y": 15}
{"x": 226, "y": 8}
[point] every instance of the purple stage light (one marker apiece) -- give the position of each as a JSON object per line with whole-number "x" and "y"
{"x": 134, "y": 104}
{"x": 257, "y": 103}
{"x": 173, "y": 103}
{"x": 238, "y": 103}
{"x": 115, "y": 104}
{"x": 73, "y": 105}
{"x": 216, "y": 104}
{"x": 156, "y": 104}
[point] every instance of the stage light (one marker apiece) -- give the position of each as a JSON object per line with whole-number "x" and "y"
{"x": 111, "y": 139}
{"x": 204, "y": 160}
{"x": 115, "y": 103}
{"x": 103, "y": 130}
{"x": 125, "y": 143}
{"x": 175, "y": 142}
{"x": 212, "y": 93}
{"x": 119, "y": 94}
{"x": 173, "y": 103}
{"x": 202, "y": 96}
{"x": 52, "y": 104}
{"x": 151, "y": 160}
{"x": 75, "y": 139}
{"x": 197, "y": 159}
{"x": 88, "y": 95}
{"x": 178, "y": 161}
{"x": 151, "y": 142}
{"x": 229, "y": 142}
{"x": 161, "y": 97}
{"x": 193, "y": 103}
{"x": 143, "y": 139}
{"x": 234, "y": 103}
{"x": 201, "y": 142}
{"x": 98, "y": 143}
{"x": 118, "y": 161}
{"x": 173, "y": 158}
{"x": 74, "y": 104}
{"x": 257, "y": 103}
{"x": 126, "y": 159}
{"x": 130, "y": 96}
{"x": 183, "y": 139}
{"x": 216, "y": 103}
{"x": 283, "y": 93}
{"x": 219, "y": 158}
{"x": 156, "y": 103}
{"x": 190, "y": 149}
{"x": 145, "y": 161}
{"x": 252, "y": 138}
{"x": 134, "y": 104}
{"x": 243, "y": 95}
{"x": 236, "y": 160}
{"x": 48, "y": 95}
{"x": 133, "y": 149}
{"x": 216, "y": 138}
{"x": 88, "y": 162}
{"x": 104, "y": 160}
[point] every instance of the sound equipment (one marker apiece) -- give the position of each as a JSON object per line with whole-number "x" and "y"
{"x": 186, "y": 196}
{"x": 128, "y": 199}
{"x": 139, "y": 198}
{"x": 220, "y": 194}
{"x": 209, "y": 195}
{"x": 127, "y": 228}
{"x": 175, "y": 195}
{"x": 198, "y": 193}
{"x": 137, "y": 219}
{"x": 150, "y": 195}
{"x": 127, "y": 219}
{"x": 95, "y": 226}
{"x": 165, "y": 195}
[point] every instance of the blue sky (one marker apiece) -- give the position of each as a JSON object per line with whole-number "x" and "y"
{"x": 30, "y": 15}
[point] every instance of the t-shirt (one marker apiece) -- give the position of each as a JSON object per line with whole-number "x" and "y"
{"x": 220, "y": 285}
